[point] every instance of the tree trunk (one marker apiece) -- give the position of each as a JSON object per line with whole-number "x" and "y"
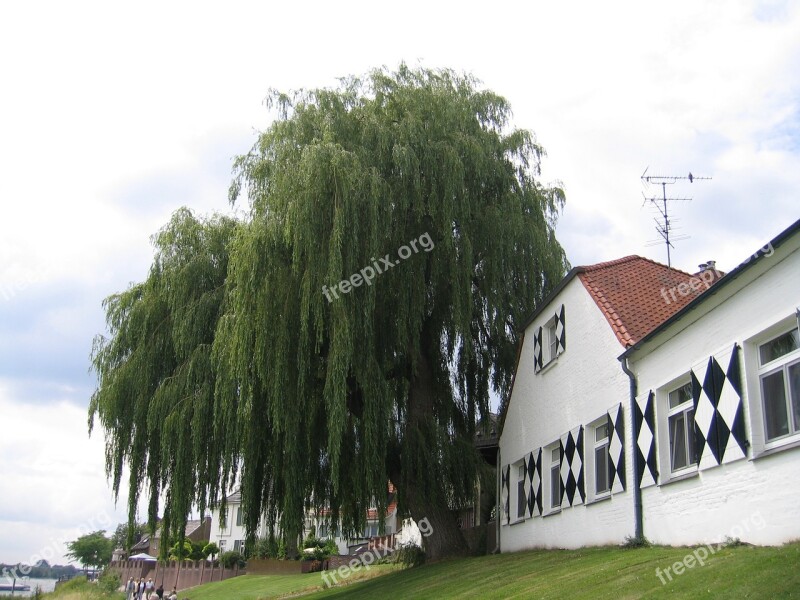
{"x": 428, "y": 507}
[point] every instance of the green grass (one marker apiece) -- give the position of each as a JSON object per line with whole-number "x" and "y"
{"x": 262, "y": 587}
{"x": 80, "y": 589}
{"x": 593, "y": 574}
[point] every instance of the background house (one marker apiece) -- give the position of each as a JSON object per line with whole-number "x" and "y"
{"x": 197, "y": 530}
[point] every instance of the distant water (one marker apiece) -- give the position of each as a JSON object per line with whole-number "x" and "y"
{"x": 47, "y": 585}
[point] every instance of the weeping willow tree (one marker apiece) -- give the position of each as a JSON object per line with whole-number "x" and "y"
{"x": 330, "y": 389}
{"x": 155, "y": 382}
{"x": 352, "y": 330}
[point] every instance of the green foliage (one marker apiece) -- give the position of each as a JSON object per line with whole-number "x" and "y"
{"x": 155, "y": 391}
{"x": 109, "y": 582}
{"x": 266, "y": 548}
{"x": 228, "y": 364}
{"x": 180, "y": 551}
{"x": 634, "y": 542}
{"x": 126, "y": 535}
{"x": 410, "y": 555}
{"x": 210, "y": 549}
{"x": 231, "y": 558}
{"x": 91, "y": 550}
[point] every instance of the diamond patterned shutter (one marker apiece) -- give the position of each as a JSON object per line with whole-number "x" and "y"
{"x": 616, "y": 449}
{"x": 572, "y": 466}
{"x": 535, "y": 477}
{"x": 504, "y": 492}
{"x": 537, "y": 350}
{"x": 644, "y": 431}
{"x": 719, "y": 415}
{"x": 561, "y": 334}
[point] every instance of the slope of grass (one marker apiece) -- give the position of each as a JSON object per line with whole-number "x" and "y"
{"x": 591, "y": 574}
{"x": 263, "y": 587}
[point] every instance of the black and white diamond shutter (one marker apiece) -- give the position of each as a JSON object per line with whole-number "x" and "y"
{"x": 616, "y": 449}
{"x": 572, "y": 466}
{"x": 718, "y": 412}
{"x": 561, "y": 335}
{"x": 644, "y": 427}
{"x": 504, "y": 492}
{"x": 535, "y": 481}
{"x": 537, "y": 350}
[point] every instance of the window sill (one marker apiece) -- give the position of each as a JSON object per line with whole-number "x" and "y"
{"x": 517, "y": 521}
{"x": 598, "y": 499}
{"x": 681, "y": 477}
{"x": 775, "y": 449}
{"x": 557, "y": 511}
{"x": 548, "y": 364}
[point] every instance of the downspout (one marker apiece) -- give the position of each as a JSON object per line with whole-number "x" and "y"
{"x": 498, "y": 495}
{"x": 637, "y": 490}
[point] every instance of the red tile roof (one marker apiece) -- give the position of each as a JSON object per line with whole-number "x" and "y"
{"x": 637, "y": 294}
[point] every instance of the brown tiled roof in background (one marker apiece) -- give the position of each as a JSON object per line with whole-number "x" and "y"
{"x": 637, "y": 294}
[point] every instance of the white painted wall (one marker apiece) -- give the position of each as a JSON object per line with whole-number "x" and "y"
{"x": 756, "y": 500}
{"x": 226, "y": 536}
{"x": 580, "y": 386}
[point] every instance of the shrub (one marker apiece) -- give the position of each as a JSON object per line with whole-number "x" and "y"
{"x": 410, "y": 555}
{"x": 210, "y": 549}
{"x": 109, "y": 582}
{"x": 231, "y": 558}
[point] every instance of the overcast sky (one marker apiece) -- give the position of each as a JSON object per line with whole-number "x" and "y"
{"x": 111, "y": 118}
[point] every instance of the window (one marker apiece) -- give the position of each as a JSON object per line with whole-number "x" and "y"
{"x": 555, "y": 477}
{"x": 779, "y": 376}
{"x": 222, "y": 544}
{"x": 239, "y": 516}
{"x": 552, "y": 340}
{"x": 681, "y": 427}
{"x": 522, "y": 500}
{"x": 238, "y": 546}
{"x": 601, "y": 483}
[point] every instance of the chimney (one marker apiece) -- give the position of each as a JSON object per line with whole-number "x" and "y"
{"x": 708, "y": 266}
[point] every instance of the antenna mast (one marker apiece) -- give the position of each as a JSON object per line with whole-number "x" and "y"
{"x": 664, "y": 225}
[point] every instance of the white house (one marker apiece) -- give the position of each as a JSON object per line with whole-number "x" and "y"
{"x": 719, "y": 392}
{"x": 232, "y": 536}
{"x": 563, "y": 472}
{"x": 648, "y": 401}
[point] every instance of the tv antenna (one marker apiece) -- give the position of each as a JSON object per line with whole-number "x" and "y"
{"x": 664, "y": 224}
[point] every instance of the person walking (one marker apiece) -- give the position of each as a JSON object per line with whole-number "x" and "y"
{"x": 130, "y": 588}
{"x": 160, "y": 590}
{"x": 140, "y": 591}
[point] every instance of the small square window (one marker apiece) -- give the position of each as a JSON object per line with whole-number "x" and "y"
{"x": 779, "y": 346}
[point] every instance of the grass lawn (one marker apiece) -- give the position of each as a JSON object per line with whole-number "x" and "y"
{"x": 593, "y": 573}
{"x": 256, "y": 587}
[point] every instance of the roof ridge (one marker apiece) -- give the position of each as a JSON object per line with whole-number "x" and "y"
{"x": 629, "y": 258}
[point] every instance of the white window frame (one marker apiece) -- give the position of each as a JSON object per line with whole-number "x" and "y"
{"x": 552, "y": 340}
{"x": 683, "y": 409}
{"x": 770, "y": 368}
{"x": 591, "y": 458}
{"x": 239, "y": 516}
{"x": 554, "y": 468}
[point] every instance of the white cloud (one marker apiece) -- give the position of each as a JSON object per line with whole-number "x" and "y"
{"x": 114, "y": 116}
{"x": 54, "y": 485}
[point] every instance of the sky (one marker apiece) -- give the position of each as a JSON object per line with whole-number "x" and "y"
{"x": 113, "y": 116}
